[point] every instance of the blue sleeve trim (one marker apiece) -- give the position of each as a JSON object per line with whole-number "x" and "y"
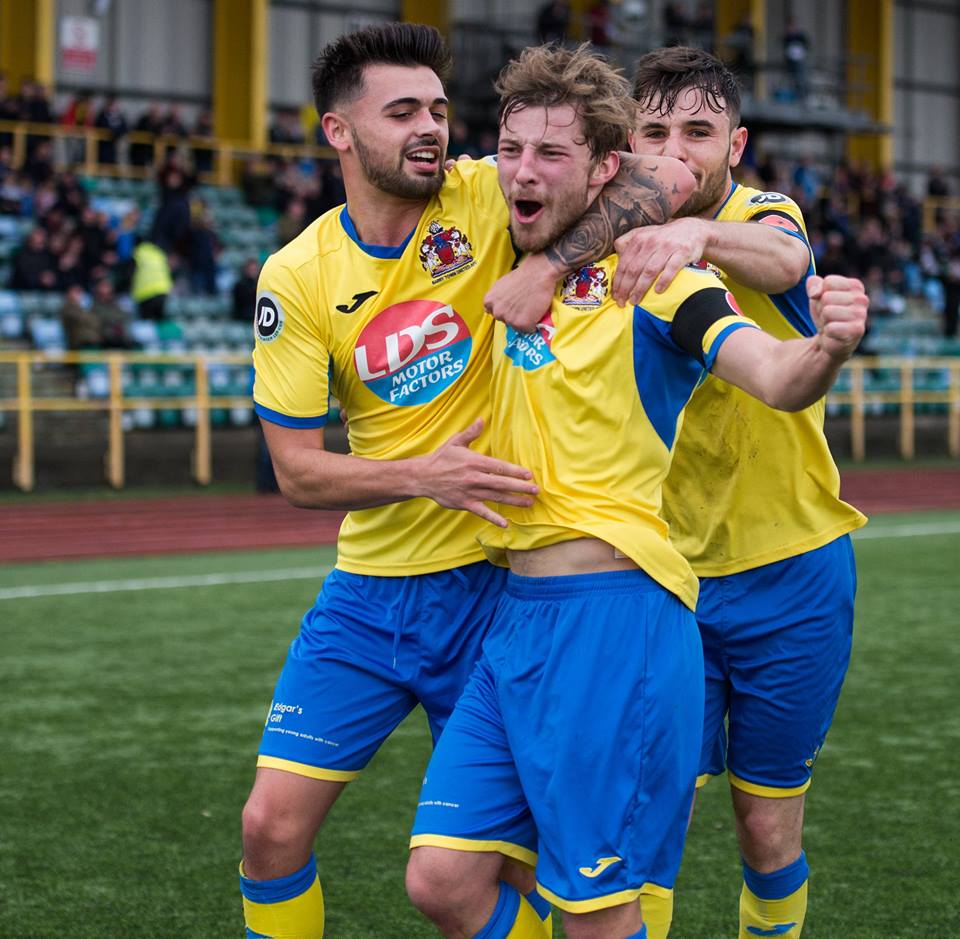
{"x": 721, "y": 338}
{"x": 794, "y": 306}
{"x": 384, "y": 252}
{"x": 285, "y": 420}
{"x": 282, "y": 888}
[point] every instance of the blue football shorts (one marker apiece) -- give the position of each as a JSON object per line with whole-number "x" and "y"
{"x": 776, "y": 646}
{"x": 574, "y": 747}
{"x": 368, "y": 652}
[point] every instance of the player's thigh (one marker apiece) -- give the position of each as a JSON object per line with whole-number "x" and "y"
{"x": 602, "y": 695}
{"x": 339, "y": 694}
{"x": 789, "y": 645}
{"x": 471, "y": 799}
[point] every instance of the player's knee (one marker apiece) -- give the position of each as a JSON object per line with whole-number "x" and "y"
{"x": 269, "y": 830}
{"x": 439, "y": 882}
{"x": 770, "y": 838}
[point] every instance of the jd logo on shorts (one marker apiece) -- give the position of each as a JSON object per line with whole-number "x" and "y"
{"x": 411, "y": 352}
{"x": 602, "y": 864}
{"x": 269, "y": 319}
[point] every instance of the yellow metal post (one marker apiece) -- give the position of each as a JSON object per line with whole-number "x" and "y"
{"x": 858, "y": 435}
{"x": 870, "y": 77}
{"x": 27, "y": 40}
{"x": 906, "y": 411}
{"x": 240, "y": 57}
{"x": 202, "y": 463}
{"x": 953, "y": 416}
{"x": 23, "y": 464}
{"x": 429, "y": 12}
{"x": 115, "y": 455}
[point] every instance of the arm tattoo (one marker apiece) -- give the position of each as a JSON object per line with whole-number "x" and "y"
{"x": 636, "y": 196}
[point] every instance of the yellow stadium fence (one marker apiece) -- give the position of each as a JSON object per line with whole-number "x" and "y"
{"x": 856, "y": 393}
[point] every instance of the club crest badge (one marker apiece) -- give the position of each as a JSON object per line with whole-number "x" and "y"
{"x": 445, "y": 252}
{"x": 586, "y": 288}
{"x": 705, "y": 267}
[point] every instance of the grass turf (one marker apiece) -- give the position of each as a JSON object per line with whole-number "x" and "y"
{"x": 131, "y": 719}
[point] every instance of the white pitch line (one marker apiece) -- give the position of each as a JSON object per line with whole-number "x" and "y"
{"x": 909, "y": 531}
{"x": 306, "y": 573}
{"x": 162, "y": 583}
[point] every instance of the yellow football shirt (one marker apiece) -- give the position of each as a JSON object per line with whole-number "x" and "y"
{"x": 750, "y": 485}
{"x": 399, "y": 335}
{"x": 592, "y": 403}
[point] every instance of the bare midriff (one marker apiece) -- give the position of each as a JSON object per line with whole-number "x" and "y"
{"x": 579, "y": 556}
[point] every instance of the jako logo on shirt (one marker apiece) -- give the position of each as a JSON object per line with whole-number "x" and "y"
{"x": 413, "y": 351}
{"x": 531, "y": 350}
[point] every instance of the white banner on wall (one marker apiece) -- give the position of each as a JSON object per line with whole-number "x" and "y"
{"x": 79, "y": 43}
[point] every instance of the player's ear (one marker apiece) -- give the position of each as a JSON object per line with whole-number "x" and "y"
{"x": 336, "y": 130}
{"x": 738, "y": 142}
{"x": 605, "y": 169}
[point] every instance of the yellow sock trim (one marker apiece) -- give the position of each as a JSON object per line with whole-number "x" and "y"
{"x": 299, "y": 918}
{"x": 657, "y": 913}
{"x": 780, "y": 918}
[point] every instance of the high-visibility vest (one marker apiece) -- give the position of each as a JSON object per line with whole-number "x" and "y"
{"x": 151, "y": 276}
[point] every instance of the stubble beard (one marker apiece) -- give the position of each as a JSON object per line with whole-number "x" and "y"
{"x": 714, "y": 188}
{"x": 392, "y": 180}
{"x": 531, "y": 242}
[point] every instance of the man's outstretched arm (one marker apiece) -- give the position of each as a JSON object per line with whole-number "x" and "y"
{"x": 645, "y": 191}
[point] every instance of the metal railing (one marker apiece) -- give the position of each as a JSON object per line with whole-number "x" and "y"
{"x": 861, "y": 400}
{"x": 226, "y": 154}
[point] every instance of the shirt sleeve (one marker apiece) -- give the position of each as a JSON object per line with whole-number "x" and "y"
{"x": 291, "y": 359}
{"x": 778, "y": 211}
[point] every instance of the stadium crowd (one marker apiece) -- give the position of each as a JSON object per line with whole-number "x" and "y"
{"x": 860, "y": 223}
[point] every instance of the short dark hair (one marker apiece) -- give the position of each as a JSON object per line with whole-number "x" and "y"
{"x": 662, "y": 75}
{"x": 549, "y": 76}
{"x": 337, "y": 72}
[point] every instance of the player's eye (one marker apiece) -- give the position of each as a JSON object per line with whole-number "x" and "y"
{"x": 439, "y": 116}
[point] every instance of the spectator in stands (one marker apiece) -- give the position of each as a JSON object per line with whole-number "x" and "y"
{"x": 203, "y": 156}
{"x": 80, "y": 324}
{"x": 703, "y": 26}
{"x": 151, "y": 280}
{"x": 39, "y": 163}
{"x": 202, "y": 254}
{"x": 114, "y": 322}
{"x": 111, "y": 118}
{"x": 172, "y": 123}
{"x": 676, "y": 22}
{"x": 34, "y": 265}
{"x": 259, "y": 183}
{"x": 332, "y": 190}
{"x": 796, "y": 50}
{"x": 600, "y": 24}
{"x": 171, "y": 225}
{"x": 150, "y": 122}
{"x": 286, "y": 127}
{"x": 461, "y": 140}
{"x": 292, "y": 222}
{"x": 951, "y": 293}
{"x": 937, "y": 185}
{"x": 553, "y": 21}
{"x": 9, "y": 110}
{"x": 72, "y": 270}
{"x": 245, "y": 291}
{"x": 79, "y": 114}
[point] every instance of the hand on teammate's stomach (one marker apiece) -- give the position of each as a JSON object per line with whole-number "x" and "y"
{"x": 457, "y": 477}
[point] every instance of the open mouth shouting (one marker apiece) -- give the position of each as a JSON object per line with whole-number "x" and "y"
{"x": 527, "y": 211}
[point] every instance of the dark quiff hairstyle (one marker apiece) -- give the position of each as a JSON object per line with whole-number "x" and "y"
{"x": 664, "y": 74}
{"x": 550, "y": 76}
{"x": 337, "y": 72}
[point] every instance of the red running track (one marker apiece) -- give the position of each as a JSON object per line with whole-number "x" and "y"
{"x": 109, "y": 528}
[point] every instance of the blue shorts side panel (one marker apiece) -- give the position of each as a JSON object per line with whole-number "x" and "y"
{"x": 777, "y": 643}
{"x": 368, "y": 651}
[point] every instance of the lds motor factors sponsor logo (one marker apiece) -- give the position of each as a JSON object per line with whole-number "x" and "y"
{"x": 531, "y": 351}
{"x": 413, "y": 351}
{"x": 586, "y": 288}
{"x": 445, "y": 252}
{"x": 268, "y": 322}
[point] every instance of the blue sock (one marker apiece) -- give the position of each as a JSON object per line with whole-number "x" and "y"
{"x": 539, "y": 903}
{"x": 504, "y": 914}
{"x": 777, "y": 884}
{"x": 640, "y": 935}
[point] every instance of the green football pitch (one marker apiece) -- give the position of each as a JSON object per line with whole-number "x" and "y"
{"x": 133, "y": 692}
